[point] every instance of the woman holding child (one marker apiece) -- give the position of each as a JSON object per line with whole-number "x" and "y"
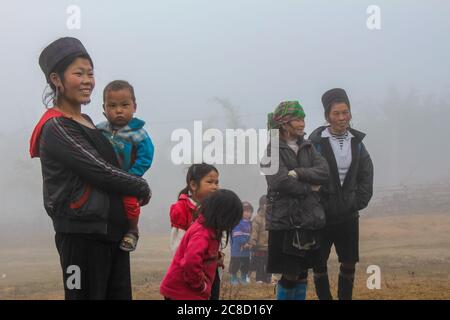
{"x": 82, "y": 183}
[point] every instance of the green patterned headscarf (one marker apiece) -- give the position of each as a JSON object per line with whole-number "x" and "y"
{"x": 285, "y": 112}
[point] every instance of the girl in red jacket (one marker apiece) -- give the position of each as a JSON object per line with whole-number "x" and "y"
{"x": 193, "y": 268}
{"x": 201, "y": 180}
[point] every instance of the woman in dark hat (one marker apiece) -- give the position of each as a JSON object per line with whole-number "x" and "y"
{"x": 83, "y": 186}
{"x": 349, "y": 191}
{"x": 293, "y": 213}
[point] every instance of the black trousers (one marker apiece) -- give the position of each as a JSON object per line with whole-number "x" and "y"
{"x": 345, "y": 238}
{"x": 260, "y": 263}
{"x": 239, "y": 263}
{"x": 93, "y": 269}
{"x": 215, "y": 289}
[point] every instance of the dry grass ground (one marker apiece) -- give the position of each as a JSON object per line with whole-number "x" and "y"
{"x": 412, "y": 251}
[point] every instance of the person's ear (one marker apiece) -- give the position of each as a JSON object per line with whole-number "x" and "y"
{"x": 56, "y": 81}
{"x": 193, "y": 186}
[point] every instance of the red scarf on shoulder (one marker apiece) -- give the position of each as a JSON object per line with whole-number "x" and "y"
{"x": 34, "y": 140}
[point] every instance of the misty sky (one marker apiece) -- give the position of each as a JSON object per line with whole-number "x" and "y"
{"x": 181, "y": 55}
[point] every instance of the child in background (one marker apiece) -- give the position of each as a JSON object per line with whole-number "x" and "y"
{"x": 201, "y": 180}
{"x": 132, "y": 144}
{"x": 240, "y": 247}
{"x": 259, "y": 242}
{"x": 193, "y": 269}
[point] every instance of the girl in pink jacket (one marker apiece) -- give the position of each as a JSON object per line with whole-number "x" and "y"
{"x": 193, "y": 268}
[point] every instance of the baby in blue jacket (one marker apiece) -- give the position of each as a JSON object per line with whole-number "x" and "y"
{"x": 132, "y": 145}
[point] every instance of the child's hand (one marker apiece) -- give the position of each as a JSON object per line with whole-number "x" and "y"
{"x": 246, "y": 246}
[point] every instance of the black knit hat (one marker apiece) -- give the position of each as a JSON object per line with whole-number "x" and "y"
{"x": 58, "y": 50}
{"x": 334, "y": 95}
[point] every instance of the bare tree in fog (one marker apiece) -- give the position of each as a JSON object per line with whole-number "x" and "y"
{"x": 244, "y": 179}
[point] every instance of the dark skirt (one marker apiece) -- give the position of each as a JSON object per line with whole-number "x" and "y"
{"x": 281, "y": 263}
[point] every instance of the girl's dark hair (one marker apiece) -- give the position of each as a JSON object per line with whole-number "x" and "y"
{"x": 117, "y": 85}
{"x": 196, "y": 173}
{"x": 59, "y": 69}
{"x": 222, "y": 211}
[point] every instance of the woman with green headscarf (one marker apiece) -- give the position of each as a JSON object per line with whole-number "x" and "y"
{"x": 294, "y": 213}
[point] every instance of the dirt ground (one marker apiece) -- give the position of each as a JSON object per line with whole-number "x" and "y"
{"x": 412, "y": 251}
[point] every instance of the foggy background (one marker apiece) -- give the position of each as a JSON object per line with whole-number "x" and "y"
{"x": 229, "y": 63}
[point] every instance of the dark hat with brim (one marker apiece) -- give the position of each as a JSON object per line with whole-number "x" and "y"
{"x": 334, "y": 95}
{"x": 58, "y": 50}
